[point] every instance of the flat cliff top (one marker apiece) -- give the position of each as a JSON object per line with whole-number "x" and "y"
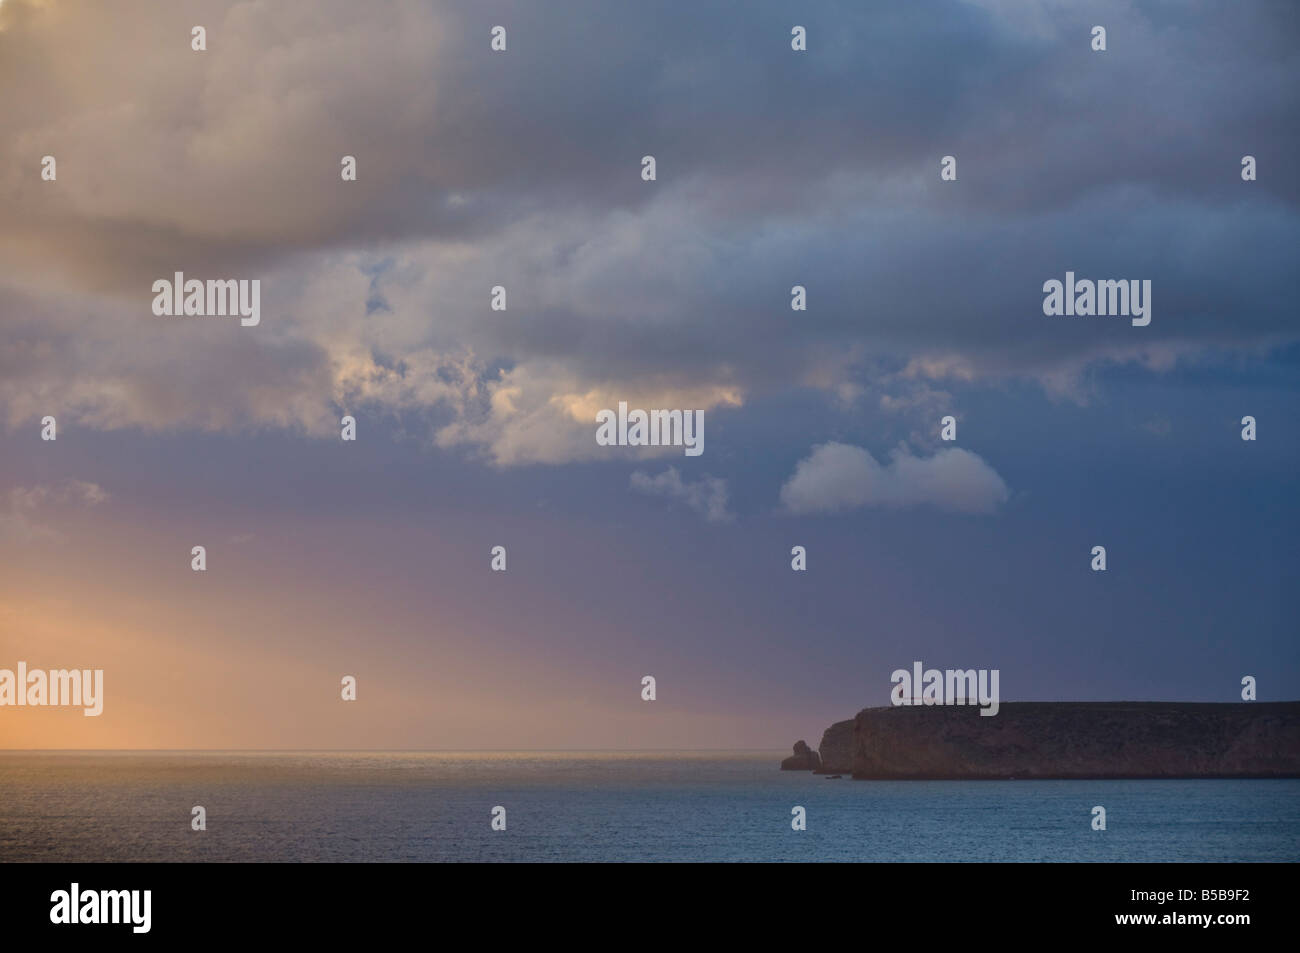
{"x": 1079, "y": 740}
{"x": 1029, "y": 707}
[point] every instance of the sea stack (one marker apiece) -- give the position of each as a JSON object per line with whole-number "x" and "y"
{"x": 803, "y": 759}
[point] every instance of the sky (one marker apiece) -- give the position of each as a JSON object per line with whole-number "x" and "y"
{"x": 476, "y": 427}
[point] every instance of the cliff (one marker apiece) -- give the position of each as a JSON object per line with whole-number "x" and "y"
{"x": 837, "y": 748}
{"x": 1079, "y": 740}
{"x": 1069, "y": 740}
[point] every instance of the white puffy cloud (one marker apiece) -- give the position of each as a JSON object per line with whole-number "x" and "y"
{"x": 838, "y": 476}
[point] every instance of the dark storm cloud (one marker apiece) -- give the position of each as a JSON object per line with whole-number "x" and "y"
{"x": 775, "y": 168}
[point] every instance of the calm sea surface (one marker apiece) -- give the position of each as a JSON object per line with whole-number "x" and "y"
{"x": 566, "y": 806}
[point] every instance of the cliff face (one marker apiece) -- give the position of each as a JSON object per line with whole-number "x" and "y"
{"x": 837, "y": 748}
{"x": 1078, "y": 740}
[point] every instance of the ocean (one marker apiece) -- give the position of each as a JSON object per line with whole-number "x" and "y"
{"x": 604, "y": 806}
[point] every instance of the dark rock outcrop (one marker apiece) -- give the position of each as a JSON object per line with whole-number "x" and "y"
{"x": 803, "y": 759}
{"x": 837, "y": 748}
{"x": 1079, "y": 740}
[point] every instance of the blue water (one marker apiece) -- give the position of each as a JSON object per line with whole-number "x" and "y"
{"x": 565, "y": 806}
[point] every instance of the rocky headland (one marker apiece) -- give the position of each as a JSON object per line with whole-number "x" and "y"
{"x": 1062, "y": 740}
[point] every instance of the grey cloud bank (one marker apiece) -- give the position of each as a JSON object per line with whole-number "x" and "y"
{"x": 522, "y": 170}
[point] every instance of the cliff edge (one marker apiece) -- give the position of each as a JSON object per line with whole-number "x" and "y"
{"x": 837, "y": 748}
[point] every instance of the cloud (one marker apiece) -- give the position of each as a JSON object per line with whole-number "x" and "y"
{"x": 707, "y": 495}
{"x": 919, "y": 400}
{"x": 19, "y": 518}
{"x": 837, "y": 476}
{"x": 541, "y": 412}
{"x": 522, "y": 169}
